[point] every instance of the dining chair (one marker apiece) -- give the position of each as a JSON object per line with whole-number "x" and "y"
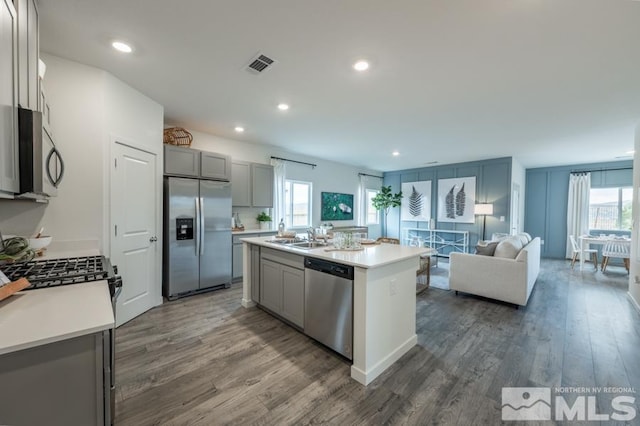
{"x": 619, "y": 249}
{"x": 576, "y": 252}
{"x": 388, "y": 240}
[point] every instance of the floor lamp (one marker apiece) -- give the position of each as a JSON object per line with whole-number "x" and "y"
{"x": 484, "y": 210}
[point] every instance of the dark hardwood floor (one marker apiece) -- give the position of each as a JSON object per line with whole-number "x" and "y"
{"x": 205, "y": 360}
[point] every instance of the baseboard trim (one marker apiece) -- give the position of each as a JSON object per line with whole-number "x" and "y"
{"x": 367, "y": 377}
{"x": 633, "y": 302}
{"x": 247, "y": 303}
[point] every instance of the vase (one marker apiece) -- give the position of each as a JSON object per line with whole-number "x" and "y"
{"x": 265, "y": 226}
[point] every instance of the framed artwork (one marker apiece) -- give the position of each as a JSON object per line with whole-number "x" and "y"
{"x": 456, "y": 200}
{"x": 416, "y": 201}
{"x": 336, "y": 206}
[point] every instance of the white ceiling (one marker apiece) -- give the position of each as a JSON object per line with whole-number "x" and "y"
{"x": 549, "y": 82}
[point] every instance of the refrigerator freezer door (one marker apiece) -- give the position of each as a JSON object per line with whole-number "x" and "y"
{"x": 215, "y": 253}
{"x": 181, "y": 259}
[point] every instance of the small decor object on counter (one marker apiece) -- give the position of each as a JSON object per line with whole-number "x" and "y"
{"x": 347, "y": 240}
{"x": 264, "y": 220}
{"x": 281, "y": 228}
{"x": 8, "y": 289}
{"x": 16, "y": 249}
{"x": 177, "y": 136}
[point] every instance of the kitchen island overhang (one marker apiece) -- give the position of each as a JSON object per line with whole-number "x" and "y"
{"x": 384, "y": 299}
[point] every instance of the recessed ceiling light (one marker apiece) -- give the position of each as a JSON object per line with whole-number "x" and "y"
{"x": 121, "y": 47}
{"x": 283, "y": 107}
{"x": 395, "y": 153}
{"x": 631, "y": 152}
{"x": 361, "y": 66}
{"x": 239, "y": 129}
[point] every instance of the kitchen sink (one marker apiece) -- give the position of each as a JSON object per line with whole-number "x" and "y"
{"x": 307, "y": 244}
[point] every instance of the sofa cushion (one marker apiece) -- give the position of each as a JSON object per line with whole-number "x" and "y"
{"x": 524, "y": 240}
{"x": 526, "y": 234}
{"x": 499, "y": 236}
{"x": 486, "y": 248}
{"x": 508, "y": 248}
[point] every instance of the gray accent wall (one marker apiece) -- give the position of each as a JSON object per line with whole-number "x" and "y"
{"x": 546, "y": 195}
{"x": 493, "y": 185}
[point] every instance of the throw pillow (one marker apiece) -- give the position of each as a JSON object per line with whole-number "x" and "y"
{"x": 499, "y": 236}
{"x": 523, "y": 239}
{"x": 528, "y": 237}
{"x": 508, "y": 248}
{"x": 487, "y": 249}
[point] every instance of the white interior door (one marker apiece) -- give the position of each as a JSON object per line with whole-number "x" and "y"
{"x": 134, "y": 246}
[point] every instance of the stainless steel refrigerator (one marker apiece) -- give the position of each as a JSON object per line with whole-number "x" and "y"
{"x": 197, "y": 236}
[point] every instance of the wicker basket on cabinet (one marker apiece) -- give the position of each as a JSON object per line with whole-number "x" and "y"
{"x": 177, "y": 136}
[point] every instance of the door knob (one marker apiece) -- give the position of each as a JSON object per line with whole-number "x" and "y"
{"x": 153, "y": 239}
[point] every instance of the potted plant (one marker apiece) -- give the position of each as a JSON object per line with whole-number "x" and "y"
{"x": 385, "y": 200}
{"x": 264, "y": 220}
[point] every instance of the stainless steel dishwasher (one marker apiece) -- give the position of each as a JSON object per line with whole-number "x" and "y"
{"x": 328, "y": 304}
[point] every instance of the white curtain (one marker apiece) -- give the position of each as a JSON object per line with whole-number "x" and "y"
{"x": 279, "y": 175}
{"x": 368, "y": 182}
{"x": 578, "y": 207}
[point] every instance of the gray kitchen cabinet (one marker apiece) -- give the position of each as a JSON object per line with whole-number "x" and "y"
{"x": 252, "y": 184}
{"x": 261, "y": 185}
{"x": 9, "y": 172}
{"x": 255, "y": 273}
{"x": 28, "y": 54}
{"x": 237, "y": 262}
{"x": 293, "y": 295}
{"x": 282, "y": 284}
{"x": 238, "y": 256}
{"x": 241, "y": 184}
{"x": 215, "y": 166}
{"x": 61, "y": 383}
{"x": 271, "y": 285}
{"x": 181, "y": 161}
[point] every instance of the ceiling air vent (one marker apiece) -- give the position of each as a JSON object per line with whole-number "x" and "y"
{"x": 260, "y": 63}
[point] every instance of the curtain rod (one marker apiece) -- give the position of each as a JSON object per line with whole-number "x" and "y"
{"x": 366, "y": 174}
{"x": 295, "y": 161}
{"x": 600, "y": 170}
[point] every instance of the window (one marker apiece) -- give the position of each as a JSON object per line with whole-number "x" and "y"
{"x": 297, "y": 196}
{"x": 610, "y": 208}
{"x": 373, "y": 215}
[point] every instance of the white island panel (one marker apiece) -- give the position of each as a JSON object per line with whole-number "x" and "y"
{"x": 384, "y": 317}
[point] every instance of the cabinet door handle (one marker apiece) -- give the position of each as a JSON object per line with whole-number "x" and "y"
{"x": 153, "y": 239}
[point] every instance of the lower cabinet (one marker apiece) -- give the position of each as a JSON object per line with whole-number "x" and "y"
{"x": 237, "y": 259}
{"x": 61, "y": 383}
{"x": 282, "y": 290}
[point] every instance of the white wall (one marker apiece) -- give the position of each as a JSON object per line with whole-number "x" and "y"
{"x": 634, "y": 274}
{"x": 328, "y": 176}
{"x": 75, "y": 95}
{"x": 90, "y": 109}
{"x": 519, "y": 177}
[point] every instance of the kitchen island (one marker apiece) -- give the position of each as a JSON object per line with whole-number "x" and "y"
{"x": 384, "y": 298}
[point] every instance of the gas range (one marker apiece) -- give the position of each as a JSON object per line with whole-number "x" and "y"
{"x": 65, "y": 271}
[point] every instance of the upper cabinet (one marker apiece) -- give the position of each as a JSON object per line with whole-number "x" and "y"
{"x": 28, "y": 54}
{"x": 189, "y": 162}
{"x": 251, "y": 184}
{"x": 9, "y": 173}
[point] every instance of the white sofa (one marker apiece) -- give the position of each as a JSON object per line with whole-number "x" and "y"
{"x": 507, "y": 279}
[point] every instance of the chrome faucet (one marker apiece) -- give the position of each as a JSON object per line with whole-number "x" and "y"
{"x": 311, "y": 233}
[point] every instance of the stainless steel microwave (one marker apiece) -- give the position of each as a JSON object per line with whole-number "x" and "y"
{"x": 41, "y": 165}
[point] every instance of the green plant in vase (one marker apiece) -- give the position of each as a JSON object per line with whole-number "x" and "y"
{"x": 385, "y": 200}
{"x": 264, "y": 220}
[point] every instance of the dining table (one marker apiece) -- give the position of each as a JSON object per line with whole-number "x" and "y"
{"x": 587, "y": 240}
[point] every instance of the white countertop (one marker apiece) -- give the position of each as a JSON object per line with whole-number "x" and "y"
{"x": 253, "y": 231}
{"x": 372, "y": 256}
{"x": 37, "y": 317}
